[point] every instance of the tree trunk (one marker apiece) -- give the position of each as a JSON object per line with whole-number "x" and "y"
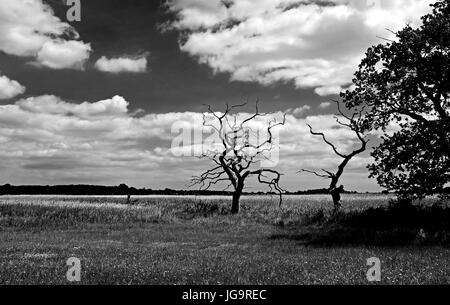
{"x": 336, "y": 202}
{"x": 236, "y": 196}
{"x": 235, "y": 203}
{"x": 335, "y": 194}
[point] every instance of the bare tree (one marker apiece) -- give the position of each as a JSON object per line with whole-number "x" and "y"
{"x": 236, "y": 157}
{"x": 353, "y": 123}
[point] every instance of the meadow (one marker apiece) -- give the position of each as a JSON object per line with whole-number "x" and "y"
{"x": 195, "y": 240}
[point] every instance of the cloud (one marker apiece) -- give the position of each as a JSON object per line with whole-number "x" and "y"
{"x": 328, "y": 90}
{"x": 29, "y": 28}
{"x": 64, "y": 54}
{"x": 122, "y": 64}
{"x": 313, "y": 44}
{"x": 300, "y": 111}
{"x": 324, "y": 105}
{"x": 50, "y": 104}
{"x": 9, "y": 88}
{"x": 45, "y": 139}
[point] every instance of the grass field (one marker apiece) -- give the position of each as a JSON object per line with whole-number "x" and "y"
{"x": 194, "y": 240}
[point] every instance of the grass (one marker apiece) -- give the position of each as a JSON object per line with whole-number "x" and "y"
{"x": 194, "y": 240}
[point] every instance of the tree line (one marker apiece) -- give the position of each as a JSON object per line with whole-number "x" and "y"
{"x": 123, "y": 189}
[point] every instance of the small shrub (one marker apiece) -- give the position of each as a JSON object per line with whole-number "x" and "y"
{"x": 203, "y": 209}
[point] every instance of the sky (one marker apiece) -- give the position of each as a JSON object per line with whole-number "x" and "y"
{"x": 101, "y": 100}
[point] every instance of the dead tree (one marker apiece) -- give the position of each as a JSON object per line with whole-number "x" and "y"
{"x": 236, "y": 158}
{"x": 353, "y": 123}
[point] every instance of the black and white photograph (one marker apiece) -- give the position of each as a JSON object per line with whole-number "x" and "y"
{"x": 205, "y": 144}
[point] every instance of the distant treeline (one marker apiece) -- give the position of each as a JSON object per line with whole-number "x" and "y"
{"x": 121, "y": 189}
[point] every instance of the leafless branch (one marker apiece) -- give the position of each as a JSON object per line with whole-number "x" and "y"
{"x": 353, "y": 124}
{"x": 237, "y": 156}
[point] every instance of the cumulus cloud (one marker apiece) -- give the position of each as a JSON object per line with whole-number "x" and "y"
{"x": 48, "y": 140}
{"x": 324, "y": 105}
{"x": 300, "y": 111}
{"x": 137, "y": 64}
{"x": 314, "y": 44}
{"x": 9, "y": 88}
{"x": 64, "y": 54}
{"x": 29, "y": 28}
{"x": 50, "y": 104}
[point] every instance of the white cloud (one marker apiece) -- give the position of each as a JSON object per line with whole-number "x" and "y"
{"x": 49, "y": 104}
{"x": 328, "y": 90}
{"x": 122, "y": 64}
{"x": 48, "y": 140}
{"x": 300, "y": 111}
{"x": 64, "y": 54}
{"x": 29, "y": 28}
{"x": 9, "y": 88}
{"x": 324, "y": 105}
{"x": 313, "y": 44}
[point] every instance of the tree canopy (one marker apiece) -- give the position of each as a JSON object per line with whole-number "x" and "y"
{"x": 404, "y": 86}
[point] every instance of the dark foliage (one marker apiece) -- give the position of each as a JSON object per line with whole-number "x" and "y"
{"x": 407, "y": 83}
{"x": 124, "y": 190}
{"x": 82, "y": 189}
{"x": 392, "y": 226}
{"x": 203, "y": 209}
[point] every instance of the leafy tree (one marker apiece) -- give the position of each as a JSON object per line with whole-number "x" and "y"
{"x": 404, "y": 85}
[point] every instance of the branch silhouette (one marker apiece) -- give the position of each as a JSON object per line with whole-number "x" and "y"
{"x": 352, "y": 124}
{"x": 237, "y": 156}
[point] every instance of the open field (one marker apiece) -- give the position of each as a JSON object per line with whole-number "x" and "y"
{"x": 193, "y": 240}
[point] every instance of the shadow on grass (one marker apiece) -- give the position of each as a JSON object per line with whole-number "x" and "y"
{"x": 392, "y": 226}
